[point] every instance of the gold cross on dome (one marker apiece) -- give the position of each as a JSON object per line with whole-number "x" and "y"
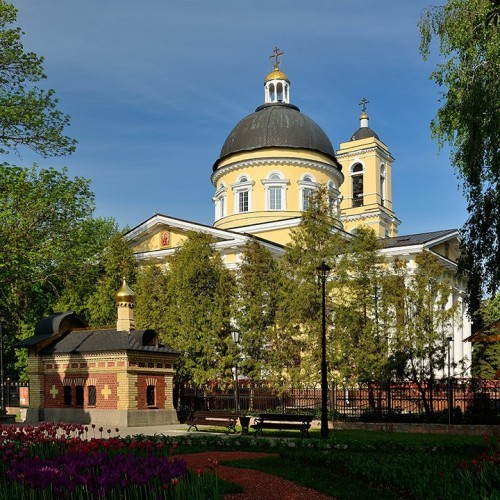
{"x": 363, "y": 103}
{"x": 276, "y": 54}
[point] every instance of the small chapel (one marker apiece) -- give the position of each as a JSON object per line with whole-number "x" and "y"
{"x": 118, "y": 377}
{"x": 271, "y": 162}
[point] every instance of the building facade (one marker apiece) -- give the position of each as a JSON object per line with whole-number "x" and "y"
{"x": 269, "y": 165}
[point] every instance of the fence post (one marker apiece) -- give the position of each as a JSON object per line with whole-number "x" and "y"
{"x": 389, "y": 401}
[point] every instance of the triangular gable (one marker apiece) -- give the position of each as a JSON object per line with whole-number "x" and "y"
{"x": 158, "y": 237}
{"x": 445, "y": 244}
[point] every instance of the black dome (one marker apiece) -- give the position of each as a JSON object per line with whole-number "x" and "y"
{"x": 276, "y": 125}
{"x": 364, "y": 133}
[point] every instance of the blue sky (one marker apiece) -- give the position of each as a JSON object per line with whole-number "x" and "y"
{"x": 154, "y": 88}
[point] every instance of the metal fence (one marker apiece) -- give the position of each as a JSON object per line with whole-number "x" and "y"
{"x": 11, "y": 396}
{"x": 462, "y": 401}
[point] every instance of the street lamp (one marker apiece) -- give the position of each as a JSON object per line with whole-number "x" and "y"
{"x": 2, "y": 389}
{"x": 323, "y": 269}
{"x": 235, "y": 334}
{"x": 450, "y": 399}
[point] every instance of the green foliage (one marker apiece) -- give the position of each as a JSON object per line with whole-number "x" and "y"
{"x": 152, "y": 296}
{"x": 200, "y": 291}
{"x": 28, "y": 114}
{"x": 48, "y": 240}
{"x": 295, "y": 350}
{"x": 258, "y": 283}
{"x": 362, "y": 308}
{"x": 486, "y": 355}
{"x": 118, "y": 262}
{"x": 469, "y": 121}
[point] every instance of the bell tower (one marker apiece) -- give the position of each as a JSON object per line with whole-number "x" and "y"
{"x": 367, "y": 189}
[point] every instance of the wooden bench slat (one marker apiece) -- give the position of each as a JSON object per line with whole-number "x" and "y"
{"x": 215, "y": 419}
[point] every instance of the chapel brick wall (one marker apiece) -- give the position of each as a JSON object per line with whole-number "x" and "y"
{"x": 106, "y": 389}
{"x": 143, "y": 381}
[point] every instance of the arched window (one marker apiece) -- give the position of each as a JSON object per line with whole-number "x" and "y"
{"x": 220, "y": 201}
{"x": 242, "y": 191}
{"x": 382, "y": 184}
{"x": 307, "y": 186}
{"x": 275, "y": 187}
{"x": 357, "y": 171}
{"x": 333, "y": 199}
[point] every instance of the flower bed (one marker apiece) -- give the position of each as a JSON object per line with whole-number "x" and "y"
{"x": 63, "y": 461}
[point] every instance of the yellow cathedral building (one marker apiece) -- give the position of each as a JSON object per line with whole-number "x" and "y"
{"x": 269, "y": 165}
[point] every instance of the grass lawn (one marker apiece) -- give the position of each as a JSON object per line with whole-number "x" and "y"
{"x": 364, "y": 465}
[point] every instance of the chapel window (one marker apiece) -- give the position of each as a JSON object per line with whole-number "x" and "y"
{"x": 151, "y": 395}
{"x": 67, "y": 395}
{"x": 79, "y": 395}
{"x": 92, "y": 394}
{"x": 220, "y": 201}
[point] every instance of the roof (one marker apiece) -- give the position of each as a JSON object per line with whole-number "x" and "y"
{"x": 85, "y": 341}
{"x": 364, "y": 133}
{"x": 276, "y": 125}
{"x": 488, "y": 333}
{"x": 416, "y": 239}
{"x": 59, "y": 322}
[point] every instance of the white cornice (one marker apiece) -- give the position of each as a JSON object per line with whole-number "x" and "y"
{"x": 385, "y": 154}
{"x": 277, "y": 161}
{"x": 370, "y": 215}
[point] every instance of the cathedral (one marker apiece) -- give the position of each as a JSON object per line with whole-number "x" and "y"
{"x": 269, "y": 165}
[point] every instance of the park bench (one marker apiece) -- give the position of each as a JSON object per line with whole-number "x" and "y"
{"x": 283, "y": 421}
{"x": 214, "y": 419}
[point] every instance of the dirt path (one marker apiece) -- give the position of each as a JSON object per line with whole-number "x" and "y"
{"x": 257, "y": 485}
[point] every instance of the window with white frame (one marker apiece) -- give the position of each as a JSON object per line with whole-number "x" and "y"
{"x": 334, "y": 199}
{"x": 275, "y": 187}
{"x": 220, "y": 201}
{"x": 242, "y": 191}
{"x": 357, "y": 171}
{"x": 307, "y": 186}
{"x": 382, "y": 184}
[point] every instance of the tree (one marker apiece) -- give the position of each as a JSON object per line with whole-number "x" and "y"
{"x": 28, "y": 114}
{"x": 199, "y": 311}
{"x": 362, "y": 311}
{"x": 424, "y": 322}
{"x": 258, "y": 281}
{"x": 296, "y": 350}
{"x": 117, "y": 262}
{"x": 486, "y": 355}
{"x": 47, "y": 238}
{"x": 469, "y": 121}
{"x": 152, "y": 296}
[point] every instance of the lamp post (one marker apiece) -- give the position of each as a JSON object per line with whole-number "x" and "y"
{"x": 2, "y": 389}
{"x": 323, "y": 269}
{"x": 450, "y": 399}
{"x": 235, "y": 334}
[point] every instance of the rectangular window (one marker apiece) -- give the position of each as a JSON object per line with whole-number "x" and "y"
{"x": 67, "y": 395}
{"x": 306, "y": 195}
{"x": 274, "y": 198}
{"x": 92, "y": 395}
{"x": 79, "y": 395}
{"x": 150, "y": 395}
{"x": 357, "y": 191}
{"x": 243, "y": 201}
{"x": 221, "y": 206}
